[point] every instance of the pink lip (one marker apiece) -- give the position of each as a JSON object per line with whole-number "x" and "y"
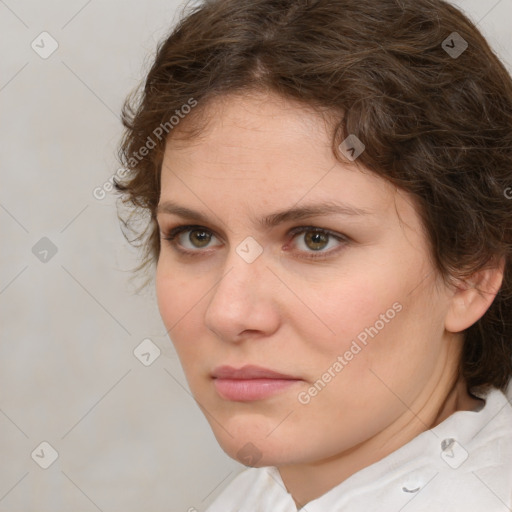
{"x": 249, "y": 372}
{"x": 249, "y": 382}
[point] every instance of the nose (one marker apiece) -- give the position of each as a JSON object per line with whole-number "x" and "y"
{"x": 244, "y": 300}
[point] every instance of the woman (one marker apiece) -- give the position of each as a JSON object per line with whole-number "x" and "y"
{"x": 327, "y": 189}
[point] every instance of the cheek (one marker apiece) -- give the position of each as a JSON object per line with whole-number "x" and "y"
{"x": 375, "y": 324}
{"x": 388, "y": 338}
{"x": 168, "y": 296}
{"x": 179, "y": 303}
{"x": 344, "y": 308}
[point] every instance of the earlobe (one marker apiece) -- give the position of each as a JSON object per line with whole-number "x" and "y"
{"x": 473, "y": 297}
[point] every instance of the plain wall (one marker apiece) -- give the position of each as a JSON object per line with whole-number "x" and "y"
{"x": 129, "y": 437}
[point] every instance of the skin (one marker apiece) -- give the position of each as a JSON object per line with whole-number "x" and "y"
{"x": 260, "y": 154}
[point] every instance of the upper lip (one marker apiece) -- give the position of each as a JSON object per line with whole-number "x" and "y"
{"x": 248, "y": 372}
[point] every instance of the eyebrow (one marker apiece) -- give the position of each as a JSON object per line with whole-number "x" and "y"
{"x": 274, "y": 219}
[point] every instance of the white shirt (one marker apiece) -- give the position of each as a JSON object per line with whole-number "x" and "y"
{"x": 464, "y": 464}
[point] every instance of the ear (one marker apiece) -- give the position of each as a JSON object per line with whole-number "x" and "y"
{"x": 473, "y": 297}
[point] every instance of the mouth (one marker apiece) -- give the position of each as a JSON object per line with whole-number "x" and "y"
{"x": 250, "y": 383}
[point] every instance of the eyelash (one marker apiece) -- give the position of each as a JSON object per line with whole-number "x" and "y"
{"x": 171, "y": 235}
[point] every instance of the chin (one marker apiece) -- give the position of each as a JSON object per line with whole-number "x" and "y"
{"x": 256, "y": 450}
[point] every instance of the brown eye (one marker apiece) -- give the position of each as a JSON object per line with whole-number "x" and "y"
{"x": 312, "y": 241}
{"x": 199, "y": 238}
{"x": 316, "y": 240}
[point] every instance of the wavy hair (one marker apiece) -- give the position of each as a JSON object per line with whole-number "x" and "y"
{"x": 414, "y": 80}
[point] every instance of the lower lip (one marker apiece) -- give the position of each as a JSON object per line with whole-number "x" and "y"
{"x": 250, "y": 389}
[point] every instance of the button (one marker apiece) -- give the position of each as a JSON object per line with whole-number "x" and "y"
{"x": 412, "y": 484}
{"x": 453, "y": 453}
{"x": 412, "y": 488}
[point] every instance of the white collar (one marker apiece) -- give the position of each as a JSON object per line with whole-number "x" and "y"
{"x": 411, "y": 467}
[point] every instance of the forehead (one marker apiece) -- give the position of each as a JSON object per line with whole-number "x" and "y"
{"x": 265, "y": 152}
{"x": 236, "y": 124}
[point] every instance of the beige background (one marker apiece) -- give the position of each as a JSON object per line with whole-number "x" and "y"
{"x": 129, "y": 437}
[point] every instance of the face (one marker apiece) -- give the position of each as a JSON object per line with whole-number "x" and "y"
{"x": 344, "y": 306}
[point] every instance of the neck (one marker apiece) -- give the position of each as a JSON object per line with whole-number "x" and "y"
{"x": 306, "y": 482}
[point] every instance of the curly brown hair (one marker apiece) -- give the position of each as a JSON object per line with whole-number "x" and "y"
{"x": 414, "y": 80}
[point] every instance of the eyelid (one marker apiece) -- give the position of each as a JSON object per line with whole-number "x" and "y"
{"x": 342, "y": 239}
{"x": 171, "y": 234}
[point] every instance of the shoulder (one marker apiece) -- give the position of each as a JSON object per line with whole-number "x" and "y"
{"x": 473, "y": 471}
{"x": 465, "y": 463}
